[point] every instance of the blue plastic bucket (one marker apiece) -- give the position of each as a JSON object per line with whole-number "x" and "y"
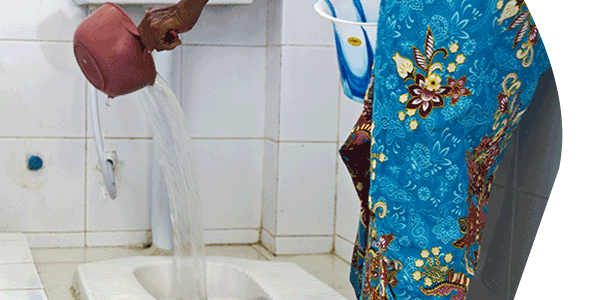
{"x": 355, "y": 30}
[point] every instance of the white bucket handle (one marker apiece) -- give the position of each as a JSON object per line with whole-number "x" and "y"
{"x": 319, "y": 8}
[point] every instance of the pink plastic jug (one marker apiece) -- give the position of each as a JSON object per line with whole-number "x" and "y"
{"x": 110, "y": 53}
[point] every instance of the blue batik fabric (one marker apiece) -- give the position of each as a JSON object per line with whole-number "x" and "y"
{"x": 452, "y": 78}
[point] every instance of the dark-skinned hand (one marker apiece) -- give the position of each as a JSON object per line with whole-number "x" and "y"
{"x": 160, "y": 27}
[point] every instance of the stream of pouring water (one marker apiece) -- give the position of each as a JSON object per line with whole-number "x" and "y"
{"x": 178, "y": 162}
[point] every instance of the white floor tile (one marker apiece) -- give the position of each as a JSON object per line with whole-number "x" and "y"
{"x": 55, "y": 240}
{"x": 348, "y": 293}
{"x": 14, "y": 249}
{"x": 19, "y": 276}
{"x": 57, "y": 279}
{"x": 23, "y": 295}
{"x": 58, "y": 255}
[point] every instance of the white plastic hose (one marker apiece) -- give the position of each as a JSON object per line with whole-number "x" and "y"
{"x": 105, "y": 165}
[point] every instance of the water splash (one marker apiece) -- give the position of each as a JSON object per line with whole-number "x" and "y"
{"x": 179, "y": 165}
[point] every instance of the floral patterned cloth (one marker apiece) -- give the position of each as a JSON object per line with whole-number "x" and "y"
{"x": 452, "y": 79}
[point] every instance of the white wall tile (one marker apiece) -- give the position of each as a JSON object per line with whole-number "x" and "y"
{"x": 230, "y": 25}
{"x": 306, "y": 188}
{"x": 49, "y": 199}
{"x": 267, "y": 240}
{"x": 349, "y": 113}
{"x": 309, "y": 94}
{"x": 125, "y": 117}
{"x": 168, "y": 66}
{"x": 42, "y": 90}
{"x": 304, "y": 245}
{"x": 131, "y": 209}
{"x": 108, "y": 239}
{"x": 348, "y": 204}
{"x": 274, "y": 17}
{"x": 238, "y": 236}
{"x": 269, "y": 196}
{"x": 135, "y": 12}
{"x": 344, "y": 249}
{"x": 55, "y": 240}
{"x": 224, "y": 91}
{"x": 34, "y": 19}
{"x": 122, "y": 116}
{"x": 230, "y": 175}
{"x": 302, "y": 25}
{"x": 273, "y": 92}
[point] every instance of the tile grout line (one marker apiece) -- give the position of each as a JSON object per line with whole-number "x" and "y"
{"x": 262, "y": 192}
{"x": 336, "y": 176}
{"x": 261, "y": 252}
{"x": 277, "y": 147}
{"x": 85, "y": 166}
{"x": 345, "y": 239}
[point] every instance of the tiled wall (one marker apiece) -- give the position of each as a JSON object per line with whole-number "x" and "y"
{"x": 260, "y": 88}
{"x": 306, "y": 119}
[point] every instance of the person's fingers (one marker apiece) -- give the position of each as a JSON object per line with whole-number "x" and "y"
{"x": 159, "y": 28}
{"x": 170, "y": 42}
{"x": 173, "y": 45}
{"x": 146, "y": 31}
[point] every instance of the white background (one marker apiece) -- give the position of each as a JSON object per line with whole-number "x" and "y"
{"x": 564, "y": 262}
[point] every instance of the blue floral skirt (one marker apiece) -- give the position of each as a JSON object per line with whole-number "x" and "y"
{"x": 451, "y": 82}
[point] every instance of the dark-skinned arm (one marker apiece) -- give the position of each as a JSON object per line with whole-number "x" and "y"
{"x": 160, "y": 27}
{"x": 189, "y": 11}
